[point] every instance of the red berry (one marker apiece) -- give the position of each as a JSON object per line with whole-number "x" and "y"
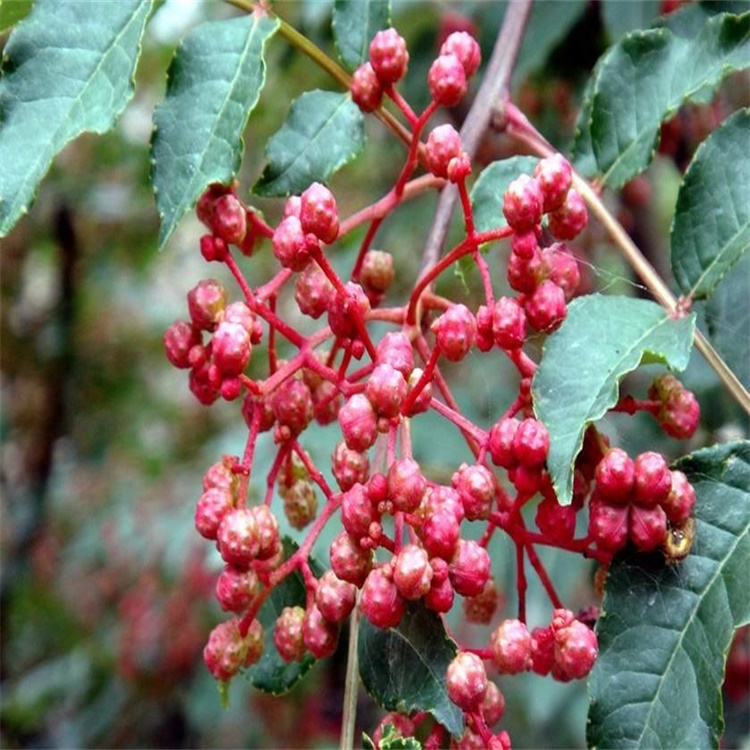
{"x": 238, "y": 537}
{"x": 440, "y": 596}
{"x": 561, "y": 267}
{"x": 441, "y": 497}
{"x": 386, "y": 390}
{"x": 320, "y": 636}
{"x": 357, "y": 512}
{"x": 349, "y": 467}
{"x": 493, "y": 705}
{"x": 318, "y": 213}
{"x": 455, "y": 332}
{"x": 440, "y": 532}
{"x": 213, "y": 248}
{"x": 555, "y": 177}
{"x": 475, "y": 485}
{"x": 546, "y": 308}
{"x": 531, "y": 443}
{"x": 405, "y": 485}
{"x": 236, "y": 589}
{"x": 525, "y": 274}
{"x": 359, "y": 423}
{"x": 511, "y": 647}
{"x": 447, "y": 80}
{"x": 349, "y": 561}
{"x": 412, "y": 573}
{"x": 249, "y": 407}
{"x": 653, "y": 480}
{"x": 300, "y": 504}
{"x": 221, "y": 475}
{"x": 292, "y": 406}
{"x": 608, "y": 524}
{"x": 508, "y": 323}
{"x": 335, "y": 598}
{"x": 680, "y": 502}
{"x": 679, "y": 414}
{"x": 524, "y": 245}
{"x": 290, "y": 244}
{"x": 313, "y": 291}
{"x": 206, "y": 302}
{"x": 205, "y": 206}
{"x": 615, "y": 476}
{"x": 212, "y": 506}
{"x": 555, "y": 521}
{"x": 381, "y": 602}
{"x": 422, "y": 402}
{"x": 205, "y": 392}
{"x": 480, "y": 608}
{"x": 345, "y": 309}
{"x": 229, "y": 221}
{"x": 576, "y": 650}
{"x": 568, "y": 221}
{"x": 542, "y": 650}
{"x": 288, "y": 634}
{"x": 466, "y": 681}
{"x": 522, "y": 203}
{"x": 647, "y": 527}
{"x": 268, "y": 531}
{"x": 231, "y": 348}
{"x": 388, "y": 56}
{"x": 395, "y": 349}
{"x": 500, "y": 442}
{"x": 377, "y": 273}
{"x": 443, "y": 144}
{"x": 225, "y": 651}
{"x": 469, "y": 569}
{"x": 367, "y": 92}
{"x": 528, "y": 480}
{"x": 465, "y": 48}
{"x": 179, "y": 339}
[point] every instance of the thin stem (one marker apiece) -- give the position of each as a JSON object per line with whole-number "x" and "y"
{"x": 352, "y": 684}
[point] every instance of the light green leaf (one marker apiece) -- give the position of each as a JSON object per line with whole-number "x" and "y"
{"x": 323, "y": 132}
{"x": 67, "y": 69}
{"x": 665, "y": 630}
{"x": 711, "y": 228}
{"x": 214, "y": 82}
{"x": 355, "y": 23}
{"x": 602, "y": 339}
{"x": 646, "y": 77}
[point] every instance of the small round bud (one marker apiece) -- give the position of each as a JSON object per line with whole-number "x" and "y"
{"x": 608, "y": 525}
{"x": 300, "y": 504}
{"x": 335, "y": 598}
{"x": 480, "y": 608}
{"x": 212, "y": 506}
{"x": 290, "y": 244}
{"x": 465, "y": 48}
{"x": 389, "y": 56}
{"x": 396, "y": 350}
{"x": 568, "y": 221}
{"x": 318, "y": 213}
{"x": 349, "y": 467}
{"x": 238, "y": 537}
{"x": 500, "y": 442}
{"x": 412, "y": 573}
{"x": 288, "y": 634}
{"x": 386, "y": 390}
{"x": 231, "y": 348}
{"x": 225, "y": 651}
{"x": 206, "y": 303}
{"x": 320, "y": 636}
{"x": 443, "y": 144}
{"x": 522, "y": 203}
{"x": 555, "y": 177}
{"x": 466, "y": 681}
{"x": 476, "y": 488}
{"x": 236, "y": 589}
{"x": 447, "y": 80}
{"x": 508, "y": 323}
{"x": 292, "y": 406}
{"x": 511, "y": 647}
{"x": 615, "y": 476}
{"x": 653, "y": 480}
{"x": 469, "y": 569}
{"x": 229, "y": 221}
{"x": 546, "y": 308}
{"x": 377, "y": 272}
{"x": 405, "y": 485}
{"x": 531, "y": 443}
{"x": 576, "y": 649}
{"x": 381, "y": 602}
{"x": 313, "y": 291}
{"x": 358, "y": 421}
{"x": 179, "y": 339}
{"x": 367, "y": 92}
{"x": 680, "y": 501}
{"x": 455, "y": 332}
{"x": 349, "y": 561}
{"x": 647, "y": 527}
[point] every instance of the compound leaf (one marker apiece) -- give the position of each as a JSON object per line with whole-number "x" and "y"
{"x": 67, "y": 69}
{"x": 711, "y": 228}
{"x": 646, "y": 77}
{"x": 355, "y": 23}
{"x": 323, "y": 131}
{"x": 214, "y": 82}
{"x": 602, "y": 339}
{"x": 665, "y": 630}
{"x": 403, "y": 668}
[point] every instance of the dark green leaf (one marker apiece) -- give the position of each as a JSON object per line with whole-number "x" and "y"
{"x": 12, "y": 11}
{"x": 67, "y": 69}
{"x": 487, "y": 193}
{"x": 355, "y": 23}
{"x": 404, "y": 668}
{"x": 665, "y": 630}
{"x": 711, "y": 228}
{"x": 323, "y": 131}
{"x": 646, "y": 77}
{"x": 214, "y": 82}
{"x": 622, "y": 17}
{"x": 602, "y": 339}
{"x": 271, "y": 673}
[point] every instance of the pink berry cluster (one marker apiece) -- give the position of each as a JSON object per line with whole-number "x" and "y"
{"x": 404, "y": 536}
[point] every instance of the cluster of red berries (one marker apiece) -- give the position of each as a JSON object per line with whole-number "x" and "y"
{"x": 403, "y": 534}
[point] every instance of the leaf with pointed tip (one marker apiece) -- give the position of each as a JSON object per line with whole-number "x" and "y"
{"x": 67, "y": 69}
{"x": 646, "y": 77}
{"x": 601, "y": 340}
{"x": 403, "y": 668}
{"x": 665, "y": 630}
{"x": 487, "y": 193}
{"x": 711, "y": 227}
{"x": 214, "y": 82}
{"x": 355, "y": 23}
{"x": 323, "y": 132}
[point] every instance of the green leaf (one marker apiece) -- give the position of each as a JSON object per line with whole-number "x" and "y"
{"x": 487, "y": 193}
{"x": 390, "y": 740}
{"x": 214, "y": 82}
{"x": 711, "y": 228}
{"x": 271, "y": 673}
{"x": 12, "y": 11}
{"x": 67, "y": 69}
{"x": 355, "y": 23}
{"x": 323, "y": 131}
{"x": 404, "y": 668}
{"x": 602, "y": 339}
{"x": 646, "y": 77}
{"x": 665, "y": 630}
{"x": 622, "y": 17}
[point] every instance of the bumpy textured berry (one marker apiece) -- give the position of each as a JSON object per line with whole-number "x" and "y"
{"x": 480, "y": 608}
{"x": 206, "y": 303}
{"x": 221, "y": 475}
{"x": 511, "y": 647}
{"x": 231, "y": 348}
{"x": 349, "y": 467}
{"x": 313, "y": 291}
{"x": 396, "y": 350}
{"x": 500, "y": 442}
{"x": 292, "y": 406}
{"x": 615, "y": 476}
{"x": 367, "y": 92}
{"x": 465, "y": 48}
{"x": 225, "y": 651}
{"x": 422, "y": 402}
{"x": 475, "y": 485}
{"x": 561, "y": 267}
{"x": 229, "y": 220}
{"x": 346, "y": 308}
{"x": 268, "y": 531}
{"x": 318, "y": 213}
{"x": 447, "y": 80}
{"x": 357, "y": 511}
{"x": 212, "y": 506}
{"x": 546, "y": 308}
{"x": 679, "y": 414}
{"x": 412, "y": 572}
{"x": 522, "y": 203}
{"x": 528, "y": 480}
{"x": 389, "y": 56}
{"x": 300, "y": 504}
{"x": 238, "y": 537}
{"x": 608, "y": 524}
{"x": 466, "y": 680}
{"x": 236, "y": 589}
{"x": 525, "y": 274}
{"x": 179, "y": 339}
{"x": 359, "y": 423}
{"x": 568, "y": 221}
{"x": 555, "y": 177}
{"x": 576, "y": 649}
{"x": 440, "y": 497}
{"x": 653, "y": 480}
{"x": 290, "y": 244}
{"x": 201, "y": 388}
{"x": 680, "y": 501}
{"x": 443, "y": 145}
{"x": 647, "y": 527}
{"x": 455, "y": 332}
{"x": 319, "y": 635}
{"x": 542, "y": 650}
{"x": 555, "y": 521}
{"x": 381, "y": 602}
{"x": 525, "y": 245}
{"x": 386, "y": 390}
{"x": 405, "y": 485}
{"x": 439, "y": 533}
{"x": 288, "y": 634}
{"x": 440, "y": 596}
{"x": 531, "y": 443}
{"x": 250, "y": 406}
{"x": 377, "y": 273}
{"x": 205, "y": 206}
{"x": 469, "y": 570}
{"x": 508, "y": 323}
{"x": 335, "y": 598}
{"x": 349, "y": 561}
{"x": 327, "y": 402}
